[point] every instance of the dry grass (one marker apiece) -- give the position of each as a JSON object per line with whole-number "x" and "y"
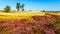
{"x": 20, "y": 15}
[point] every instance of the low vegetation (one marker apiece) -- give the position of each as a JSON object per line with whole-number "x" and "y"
{"x": 31, "y": 25}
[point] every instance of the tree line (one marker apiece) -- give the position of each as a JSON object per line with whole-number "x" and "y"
{"x": 18, "y": 7}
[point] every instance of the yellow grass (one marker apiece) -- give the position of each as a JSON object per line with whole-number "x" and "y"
{"x": 20, "y": 15}
{"x": 23, "y": 13}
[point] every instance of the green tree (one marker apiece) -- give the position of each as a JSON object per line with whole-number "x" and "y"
{"x": 7, "y": 9}
{"x": 43, "y": 10}
{"x": 18, "y": 6}
{"x": 22, "y": 7}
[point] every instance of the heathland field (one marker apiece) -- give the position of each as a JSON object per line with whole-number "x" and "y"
{"x": 30, "y": 23}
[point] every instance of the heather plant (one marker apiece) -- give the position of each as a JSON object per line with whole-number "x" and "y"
{"x": 32, "y": 25}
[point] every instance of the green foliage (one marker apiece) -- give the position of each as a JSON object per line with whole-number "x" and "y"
{"x": 43, "y": 11}
{"x": 52, "y": 21}
{"x": 37, "y": 32}
{"x": 4, "y": 30}
{"x": 22, "y": 7}
{"x": 58, "y": 21}
{"x": 18, "y": 6}
{"x": 7, "y": 9}
{"x": 57, "y": 24}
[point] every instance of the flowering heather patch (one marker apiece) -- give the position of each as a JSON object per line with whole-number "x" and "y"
{"x": 34, "y": 25}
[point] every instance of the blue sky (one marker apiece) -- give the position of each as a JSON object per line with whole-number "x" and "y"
{"x": 53, "y": 5}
